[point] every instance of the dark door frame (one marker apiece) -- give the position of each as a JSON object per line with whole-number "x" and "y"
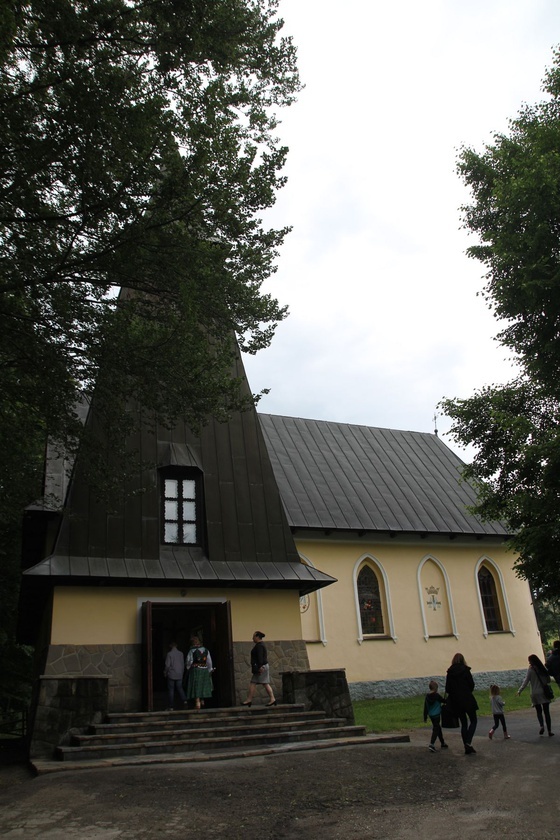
{"x": 216, "y": 616}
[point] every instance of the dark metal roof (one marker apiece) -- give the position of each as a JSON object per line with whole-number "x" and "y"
{"x": 183, "y": 570}
{"x": 337, "y": 476}
{"x": 247, "y": 540}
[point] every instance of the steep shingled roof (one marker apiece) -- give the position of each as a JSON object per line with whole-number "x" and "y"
{"x": 338, "y": 476}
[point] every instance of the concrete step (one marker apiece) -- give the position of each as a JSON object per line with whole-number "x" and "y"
{"x": 156, "y": 722}
{"x": 215, "y": 713}
{"x": 239, "y": 728}
{"x": 44, "y": 766}
{"x": 189, "y": 744}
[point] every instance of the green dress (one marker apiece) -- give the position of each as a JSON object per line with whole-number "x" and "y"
{"x": 199, "y": 666}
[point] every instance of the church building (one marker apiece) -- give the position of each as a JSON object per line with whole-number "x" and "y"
{"x": 350, "y": 547}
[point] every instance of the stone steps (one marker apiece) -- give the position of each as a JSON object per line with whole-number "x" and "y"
{"x": 168, "y": 721}
{"x": 191, "y": 731}
{"x": 209, "y": 731}
{"x": 44, "y": 766}
{"x": 190, "y": 744}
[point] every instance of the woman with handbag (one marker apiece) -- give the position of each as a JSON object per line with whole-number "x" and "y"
{"x": 541, "y": 691}
{"x": 259, "y": 670}
{"x": 459, "y": 687}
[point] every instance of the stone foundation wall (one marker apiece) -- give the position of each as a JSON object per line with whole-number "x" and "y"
{"x": 325, "y": 691}
{"x": 65, "y": 704}
{"x": 122, "y": 664}
{"x": 413, "y": 686}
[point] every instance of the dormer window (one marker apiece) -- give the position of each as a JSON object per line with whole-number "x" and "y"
{"x": 181, "y": 506}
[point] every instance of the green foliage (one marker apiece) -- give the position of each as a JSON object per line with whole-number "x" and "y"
{"x": 548, "y": 619}
{"x": 515, "y": 185}
{"x": 400, "y": 713}
{"x": 138, "y": 153}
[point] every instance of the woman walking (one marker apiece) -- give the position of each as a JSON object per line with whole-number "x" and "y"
{"x": 538, "y": 678}
{"x": 260, "y": 671}
{"x": 459, "y": 686}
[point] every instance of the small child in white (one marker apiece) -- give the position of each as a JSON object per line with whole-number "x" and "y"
{"x": 432, "y": 709}
{"x": 498, "y": 704}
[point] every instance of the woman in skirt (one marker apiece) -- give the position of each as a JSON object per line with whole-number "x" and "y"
{"x": 199, "y": 667}
{"x": 259, "y": 670}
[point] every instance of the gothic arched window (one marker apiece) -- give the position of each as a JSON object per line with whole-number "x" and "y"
{"x": 489, "y": 599}
{"x": 369, "y": 599}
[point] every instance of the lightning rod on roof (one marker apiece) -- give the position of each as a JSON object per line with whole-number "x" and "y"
{"x": 434, "y": 418}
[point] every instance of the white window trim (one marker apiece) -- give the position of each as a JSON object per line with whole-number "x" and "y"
{"x": 430, "y": 557}
{"x": 320, "y": 612}
{"x": 367, "y": 559}
{"x": 487, "y": 561}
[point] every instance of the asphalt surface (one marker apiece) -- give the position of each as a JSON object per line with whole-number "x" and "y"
{"x": 399, "y": 791}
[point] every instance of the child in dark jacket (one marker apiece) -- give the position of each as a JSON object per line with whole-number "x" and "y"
{"x": 432, "y": 710}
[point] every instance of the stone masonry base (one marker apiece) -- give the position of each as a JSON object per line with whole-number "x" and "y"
{"x": 414, "y": 686}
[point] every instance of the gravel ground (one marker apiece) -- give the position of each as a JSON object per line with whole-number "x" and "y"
{"x": 398, "y": 791}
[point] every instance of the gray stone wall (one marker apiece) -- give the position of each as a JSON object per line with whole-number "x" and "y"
{"x": 413, "y": 686}
{"x": 284, "y": 655}
{"x": 66, "y": 704}
{"x": 325, "y": 691}
{"x": 121, "y": 663}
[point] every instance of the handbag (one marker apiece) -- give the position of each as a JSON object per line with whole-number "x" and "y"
{"x": 547, "y": 689}
{"x": 449, "y": 719}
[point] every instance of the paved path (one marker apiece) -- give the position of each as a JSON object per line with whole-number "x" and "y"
{"x": 383, "y": 792}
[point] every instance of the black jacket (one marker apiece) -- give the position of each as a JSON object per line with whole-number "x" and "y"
{"x": 553, "y": 664}
{"x": 258, "y": 657}
{"x": 459, "y": 687}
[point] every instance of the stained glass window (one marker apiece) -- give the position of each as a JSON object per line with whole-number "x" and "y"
{"x": 369, "y": 598}
{"x": 489, "y": 598}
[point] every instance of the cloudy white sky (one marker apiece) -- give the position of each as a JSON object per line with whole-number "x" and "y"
{"x": 385, "y": 320}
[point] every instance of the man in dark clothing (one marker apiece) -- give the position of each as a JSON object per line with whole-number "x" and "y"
{"x": 553, "y": 662}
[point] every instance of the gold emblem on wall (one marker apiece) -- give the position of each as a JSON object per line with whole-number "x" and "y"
{"x": 432, "y": 601}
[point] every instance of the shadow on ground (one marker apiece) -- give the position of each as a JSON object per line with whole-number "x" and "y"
{"x": 396, "y": 791}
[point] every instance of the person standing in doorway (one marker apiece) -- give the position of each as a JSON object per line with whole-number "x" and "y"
{"x": 459, "y": 687}
{"x": 199, "y": 667}
{"x": 174, "y": 671}
{"x": 259, "y": 670}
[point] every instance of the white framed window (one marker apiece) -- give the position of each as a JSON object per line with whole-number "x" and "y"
{"x": 492, "y": 598}
{"x": 181, "y": 506}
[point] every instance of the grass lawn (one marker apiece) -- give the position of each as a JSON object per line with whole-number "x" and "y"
{"x": 391, "y": 715}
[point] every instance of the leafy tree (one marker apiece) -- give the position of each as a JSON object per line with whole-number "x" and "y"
{"x": 138, "y": 154}
{"x": 548, "y": 619}
{"x": 515, "y": 185}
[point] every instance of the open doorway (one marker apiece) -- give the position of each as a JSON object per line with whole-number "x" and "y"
{"x": 168, "y": 622}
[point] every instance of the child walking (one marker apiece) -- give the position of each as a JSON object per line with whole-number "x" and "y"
{"x": 498, "y": 704}
{"x": 432, "y": 710}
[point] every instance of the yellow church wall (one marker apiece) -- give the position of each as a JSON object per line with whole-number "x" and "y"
{"x": 409, "y": 653}
{"x": 111, "y": 615}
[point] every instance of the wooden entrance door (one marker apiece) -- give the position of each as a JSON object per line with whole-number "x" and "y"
{"x": 163, "y": 623}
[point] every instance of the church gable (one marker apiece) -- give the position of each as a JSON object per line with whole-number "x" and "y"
{"x": 208, "y": 512}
